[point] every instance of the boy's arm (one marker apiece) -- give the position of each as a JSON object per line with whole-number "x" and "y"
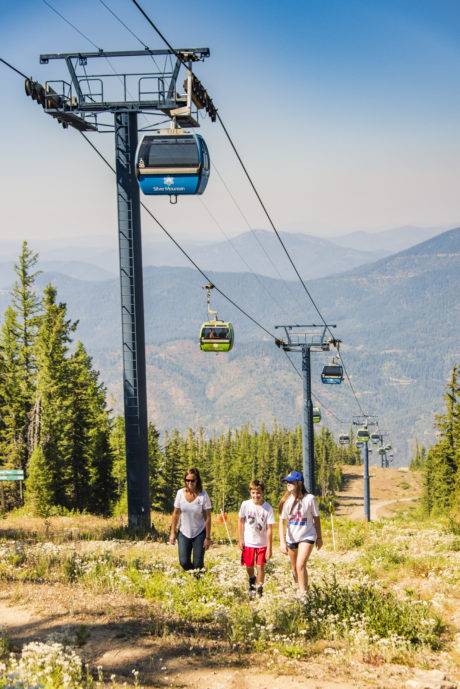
{"x": 241, "y": 532}
{"x": 319, "y": 537}
{"x": 270, "y": 541}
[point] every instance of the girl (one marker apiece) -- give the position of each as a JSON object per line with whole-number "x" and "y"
{"x": 192, "y": 508}
{"x": 303, "y": 530}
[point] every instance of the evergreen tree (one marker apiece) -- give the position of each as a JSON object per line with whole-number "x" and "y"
{"x": 53, "y": 396}
{"x": 91, "y": 485}
{"x": 26, "y": 305}
{"x": 441, "y": 470}
{"x": 11, "y": 403}
{"x": 39, "y": 485}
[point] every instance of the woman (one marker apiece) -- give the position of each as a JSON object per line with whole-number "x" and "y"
{"x": 192, "y": 513}
{"x": 298, "y": 508}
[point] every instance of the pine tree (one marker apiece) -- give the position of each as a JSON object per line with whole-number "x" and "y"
{"x": 91, "y": 484}
{"x": 26, "y": 305}
{"x": 11, "y": 403}
{"x": 39, "y": 485}
{"x": 441, "y": 471}
{"x": 53, "y": 396}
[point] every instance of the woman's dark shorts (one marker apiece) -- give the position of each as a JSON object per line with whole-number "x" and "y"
{"x": 294, "y": 546}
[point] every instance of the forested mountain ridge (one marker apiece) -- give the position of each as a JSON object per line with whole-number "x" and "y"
{"x": 396, "y": 318}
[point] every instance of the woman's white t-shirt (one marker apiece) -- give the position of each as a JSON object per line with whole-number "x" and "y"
{"x": 192, "y": 516}
{"x": 256, "y": 520}
{"x": 299, "y": 515}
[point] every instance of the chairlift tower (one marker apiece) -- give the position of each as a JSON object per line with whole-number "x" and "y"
{"x": 307, "y": 339}
{"x": 111, "y": 102}
{"x": 366, "y": 421}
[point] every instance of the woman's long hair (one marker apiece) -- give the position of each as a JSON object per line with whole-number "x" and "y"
{"x": 195, "y": 472}
{"x": 299, "y": 492}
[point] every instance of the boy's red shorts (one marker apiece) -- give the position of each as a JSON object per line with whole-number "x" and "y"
{"x": 253, "y": 556}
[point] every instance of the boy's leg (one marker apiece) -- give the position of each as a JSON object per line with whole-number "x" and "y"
{"x": 198, "y": 550}
{"x": 260, "y": 579}
{"x": 304, "y": 553}
{"x": 260, "y": 574}
{"x": 184, "y": 545}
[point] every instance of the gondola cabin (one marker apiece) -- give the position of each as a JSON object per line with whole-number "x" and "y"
{"x": 332, "y": 374}
{"x": 375, "y": 437}
{"x": 381, "y": 451}
{"x": 172, "y": 163}
{"x": 387, "y": 448}
{"x": 362, "y": 435}
{"x": 216, "y": 336}
{"x": 316, "y": 414}
{"x": 344, "y": 439}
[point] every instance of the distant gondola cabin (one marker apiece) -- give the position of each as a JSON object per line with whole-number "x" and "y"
{"x": 216, "y": 336}
{"x": 332, "y": 374}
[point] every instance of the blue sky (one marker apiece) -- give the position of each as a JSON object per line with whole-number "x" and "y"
{"x": 346, "y": 112}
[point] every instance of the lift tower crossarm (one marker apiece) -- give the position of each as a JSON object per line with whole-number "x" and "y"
{"x": 189, "y": 54}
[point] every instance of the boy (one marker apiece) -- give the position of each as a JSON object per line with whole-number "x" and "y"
{"x": 255, "y": 536}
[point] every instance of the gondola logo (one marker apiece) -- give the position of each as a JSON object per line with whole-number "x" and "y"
{"x": 168, "y": 181}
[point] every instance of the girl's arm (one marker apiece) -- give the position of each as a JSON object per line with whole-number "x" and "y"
{"x": 174, "y": 524}
{"x": 283, "y": 546}
{"x": 241, "y": 532}
{"x": 270, "y": 541}
{"x": 207, "y": 526}
{"x": 319, "y": 538}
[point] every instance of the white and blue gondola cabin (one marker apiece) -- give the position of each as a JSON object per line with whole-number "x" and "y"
{"x": 173, "y": 164}
{"x": 332, "y": 374}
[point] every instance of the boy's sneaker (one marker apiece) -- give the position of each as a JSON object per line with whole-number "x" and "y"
{"x": 260, "y": 591}
{"x": 252, "y": 587}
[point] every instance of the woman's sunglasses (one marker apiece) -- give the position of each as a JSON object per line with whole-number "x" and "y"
{"x": 190, "y": 480}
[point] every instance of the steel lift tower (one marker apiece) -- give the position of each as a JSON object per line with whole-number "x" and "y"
{"x": 366, "y": 422}
{"x": 106, "y": 102}
{"x": 307, "y": 339}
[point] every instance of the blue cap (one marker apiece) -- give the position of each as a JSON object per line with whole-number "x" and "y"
{"x": 293, "y": 476}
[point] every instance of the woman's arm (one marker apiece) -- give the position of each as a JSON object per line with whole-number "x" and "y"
{"x": 283, "y": 546}
{"x": 174, "y": 524}
{"x": 207, "y": 526}
{"x": 319, "y": 537}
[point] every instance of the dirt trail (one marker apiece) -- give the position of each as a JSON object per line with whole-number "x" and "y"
{"x": 389, "y": 489}
{"x": 119, "y": 639}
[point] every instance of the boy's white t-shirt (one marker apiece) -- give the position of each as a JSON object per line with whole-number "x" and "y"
{"x": 300, "y": 524}
{"x": 192, "y": 516}
{"x": 256, "y": 520}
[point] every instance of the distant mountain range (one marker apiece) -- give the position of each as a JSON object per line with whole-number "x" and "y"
{"x": 398, "y": 318}
{"x": 387, "y": 241}
{"x": 95, "y": 257}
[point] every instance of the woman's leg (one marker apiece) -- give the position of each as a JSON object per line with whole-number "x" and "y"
{"x": 184, "y": 545}
{"x": 293, "y": 560}
{"x": 304, "y": 552}
{"x": 198, "y": 550}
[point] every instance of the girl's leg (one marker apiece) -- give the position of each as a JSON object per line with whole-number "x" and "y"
{"x": 304, "y": 552}
{"x": 184, "y": 545}
{"x": 293, "y": 559}
{"x": 198, "y": 550}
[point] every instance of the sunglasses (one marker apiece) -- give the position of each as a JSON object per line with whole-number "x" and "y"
{"x": 190, "y": 480}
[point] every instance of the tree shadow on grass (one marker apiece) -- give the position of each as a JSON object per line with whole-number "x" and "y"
{"x": 147, "y": 645}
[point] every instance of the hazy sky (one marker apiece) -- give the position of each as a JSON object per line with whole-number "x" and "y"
{"x": 347, "y": 113}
